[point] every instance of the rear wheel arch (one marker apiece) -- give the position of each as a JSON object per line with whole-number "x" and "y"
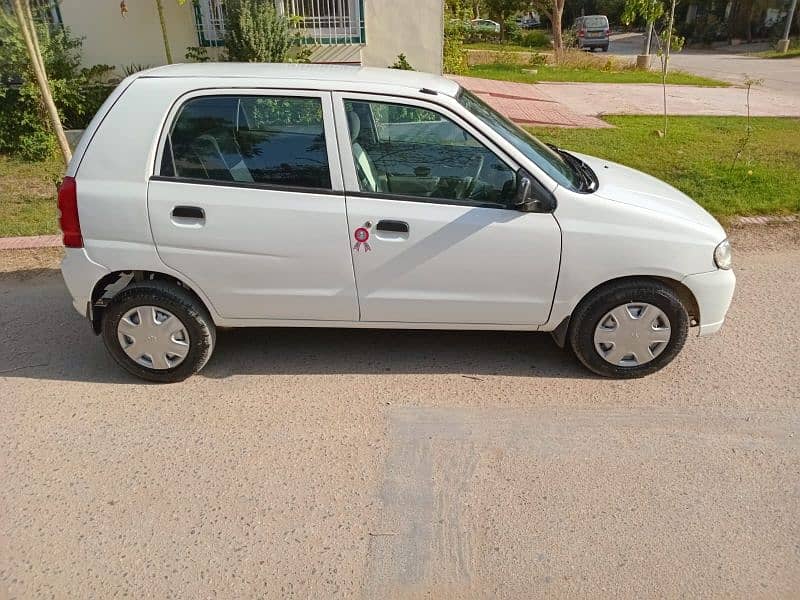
{"x": 111, "y": 284}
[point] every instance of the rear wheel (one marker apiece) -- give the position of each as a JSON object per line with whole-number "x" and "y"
{"x": 158, "y": 331}
{"x": 629, "y": 329}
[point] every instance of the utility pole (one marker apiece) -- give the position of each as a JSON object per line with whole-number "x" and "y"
{"x": 783, "y": 43}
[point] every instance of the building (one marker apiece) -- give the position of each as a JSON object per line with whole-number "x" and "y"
{"x": 366, "y": 32}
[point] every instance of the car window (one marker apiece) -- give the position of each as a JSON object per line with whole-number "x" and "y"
{"x": 275, "y": 140}
{"x": 414, "y": 151}
{"x": 596, "y": 22}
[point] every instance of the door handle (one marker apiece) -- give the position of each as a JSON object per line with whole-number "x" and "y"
{"x": 188, "y": 212}
{"x": 393, "y": 226}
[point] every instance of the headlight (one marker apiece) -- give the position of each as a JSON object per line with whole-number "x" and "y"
{"x": 722, "y": 255}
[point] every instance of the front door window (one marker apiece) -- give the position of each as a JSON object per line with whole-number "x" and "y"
{"x": 415, "y": 152}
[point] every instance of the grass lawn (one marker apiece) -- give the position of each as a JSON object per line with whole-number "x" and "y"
{"x": 506, "y": 47}
{"x": 790, "y": 53}
{"x": 28, "y": 196}
{"x": 697, "y": 157}
{"x": 524, "y": 74}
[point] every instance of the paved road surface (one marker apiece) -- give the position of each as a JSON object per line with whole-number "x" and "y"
{"x": 727, "y": 65}
{"x": 317, "y": 464}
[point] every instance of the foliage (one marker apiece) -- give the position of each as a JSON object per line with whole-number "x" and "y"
{"x": 197, "y": 54}
{"x": 255, "y": 32}
{"x": 502, "y": 10}
{"x": 402, "y": 63}
{"x": 696, "y": 158}
{"x": 535, "y": 38}
{"x": 78, "y": 93}
{"x": 133, "y": 68}
{"x": 454, "y": 59}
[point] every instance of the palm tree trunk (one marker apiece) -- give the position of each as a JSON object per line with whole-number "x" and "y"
{"x": 167, "y": 51}
{"x": 28, "y": 30}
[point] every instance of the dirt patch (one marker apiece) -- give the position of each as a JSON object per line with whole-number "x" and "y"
{"x": 29, "y": 262}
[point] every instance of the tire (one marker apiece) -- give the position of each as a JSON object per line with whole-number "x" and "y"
{"x": 604, "y": 48}
{"x": 171, "y": 298}
{"x": 628, "y": 295}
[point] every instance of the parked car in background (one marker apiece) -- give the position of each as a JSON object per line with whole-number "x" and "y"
{"x": 485, "y": 25}
{"x": 287, "y": 195}
{"x": 529, "y": 21}
{"x": 592, "y": 31}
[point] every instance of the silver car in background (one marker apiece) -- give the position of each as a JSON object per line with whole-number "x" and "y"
{"x": 593, "y": 32}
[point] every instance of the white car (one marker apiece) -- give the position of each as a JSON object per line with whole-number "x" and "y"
{"x": 255, "y": 195}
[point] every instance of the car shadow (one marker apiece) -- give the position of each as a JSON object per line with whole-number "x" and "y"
{"x": 43, "y": 337}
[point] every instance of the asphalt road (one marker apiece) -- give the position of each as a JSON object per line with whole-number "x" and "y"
{"x": 730, "y": 64}
{"x": 317, "y": 464}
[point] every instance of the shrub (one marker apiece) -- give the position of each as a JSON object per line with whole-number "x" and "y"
{"x": 198, "y": 54}
{"x": 78, "y": 93}
{"x": 402, "y": 63}
{"x": 255, "y": 32}
{"x": 532, "y": 39}
{"x": 454, "y": 59}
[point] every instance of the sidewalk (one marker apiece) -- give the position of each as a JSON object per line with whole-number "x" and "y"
{"x": 580, "y": 104}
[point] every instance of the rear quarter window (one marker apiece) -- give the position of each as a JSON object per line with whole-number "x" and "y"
{"x": 270, "y": 140}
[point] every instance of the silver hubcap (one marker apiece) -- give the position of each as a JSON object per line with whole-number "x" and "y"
{"x": 632, "y": 334}
{"x": 153, "y": 337}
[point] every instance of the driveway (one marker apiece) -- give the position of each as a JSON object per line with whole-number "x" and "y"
{"x": 377, "y": 464}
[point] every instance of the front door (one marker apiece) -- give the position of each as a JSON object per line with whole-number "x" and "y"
{"x": 434, "y": 238}
{"x": 249, "y": 205}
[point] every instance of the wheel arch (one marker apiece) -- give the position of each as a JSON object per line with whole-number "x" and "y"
{"x": 684, "y": 294}
{"x": 111, "y": 284}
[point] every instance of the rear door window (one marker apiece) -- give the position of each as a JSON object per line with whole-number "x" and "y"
{"x": 269, "y": 140}
{"x": 595, "y": 22}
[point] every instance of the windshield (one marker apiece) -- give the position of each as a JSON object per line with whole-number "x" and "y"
{"x": 546, "y": 159}
{"x": 596, "y": 22}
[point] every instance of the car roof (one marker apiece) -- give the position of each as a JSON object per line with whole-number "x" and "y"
{"x": 330, "y": 77}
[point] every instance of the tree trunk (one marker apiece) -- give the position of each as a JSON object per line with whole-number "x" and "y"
{"x": 648, "y": 39}
{"x": 167, "y": 51}
{"x": 558, "y": 11}
{"x": 665, "y": 65}
{"x": 28, "y": 30}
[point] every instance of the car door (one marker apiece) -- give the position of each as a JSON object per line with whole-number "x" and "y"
{"x": 247, "y": 202}
{"x": 434, "y": 238}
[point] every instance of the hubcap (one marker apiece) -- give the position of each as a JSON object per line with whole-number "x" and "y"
{"x": 632, "y": 334}
{"x": 153, "y": 337}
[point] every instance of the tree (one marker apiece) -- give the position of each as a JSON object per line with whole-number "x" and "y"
{"x": 22, "y": 11}
{"x": 501, "y": 10}
{"x": 554, "y": 11}
{"x": 650, "y": 11}
{"x": 255, "y": 32}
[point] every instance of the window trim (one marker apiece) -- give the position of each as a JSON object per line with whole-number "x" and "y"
{"x": 331, "y": 144}
{"x": 249, "y": 186}
{"x": 351, "y": 184}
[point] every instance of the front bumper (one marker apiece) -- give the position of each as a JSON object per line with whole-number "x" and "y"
{"x": 713, "y": 292}
{"x": 80, "y": 273}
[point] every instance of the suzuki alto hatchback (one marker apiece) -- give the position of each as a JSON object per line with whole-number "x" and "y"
{"x": 253, "y": 195}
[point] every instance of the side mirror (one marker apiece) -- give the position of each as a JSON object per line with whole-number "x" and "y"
{"x": 531, "y": 195}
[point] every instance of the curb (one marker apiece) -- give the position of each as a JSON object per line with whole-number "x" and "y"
{"x": 35, "y": 241}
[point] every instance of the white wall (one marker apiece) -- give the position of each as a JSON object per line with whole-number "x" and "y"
{"x": 136, "y": 38}
{"x": 413, "y": 27}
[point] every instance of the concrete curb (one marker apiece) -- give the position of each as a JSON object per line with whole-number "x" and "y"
{"x": 35, "y": 241}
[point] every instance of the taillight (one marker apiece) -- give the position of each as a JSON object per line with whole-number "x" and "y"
{"x": 607, "y": 32}
{"x": 68, "y": 213}
{"x": 581, "y": 32}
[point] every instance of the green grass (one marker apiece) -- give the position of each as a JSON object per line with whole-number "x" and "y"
{"x": 697, "y": 157}
{"x": 28, "y": 196}
{"x": 790, "y": 53}
{"x": 497, "y": 47}
{"x": 524, "y": 74}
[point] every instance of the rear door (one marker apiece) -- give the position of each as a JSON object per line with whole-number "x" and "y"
{"x": 247, "y": 202}
{"x": 433, "y": 234}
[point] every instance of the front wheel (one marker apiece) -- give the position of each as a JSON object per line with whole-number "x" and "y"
{"x": 158, "y": 331}
{"x": 629, "y": 329}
